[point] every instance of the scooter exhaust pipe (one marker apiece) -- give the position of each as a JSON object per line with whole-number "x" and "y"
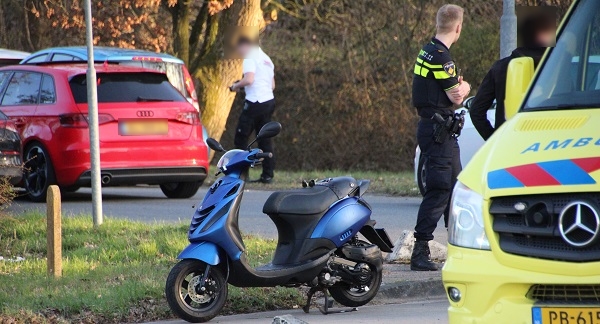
{"x": 106, "y": 179}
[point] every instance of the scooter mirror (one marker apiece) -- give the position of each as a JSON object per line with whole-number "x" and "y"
{"x": 213, "y": 144}
{"x": 271, "y": 129}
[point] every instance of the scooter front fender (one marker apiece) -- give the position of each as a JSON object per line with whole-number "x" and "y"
{"x": 204, "y": 251}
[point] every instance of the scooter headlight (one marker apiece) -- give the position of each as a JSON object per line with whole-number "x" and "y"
{"x": 466, "y": 228}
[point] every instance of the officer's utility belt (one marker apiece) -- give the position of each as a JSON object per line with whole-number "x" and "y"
{"x": 450, "y": 126}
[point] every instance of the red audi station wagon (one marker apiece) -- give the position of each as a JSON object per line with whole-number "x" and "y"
{"x": 149, "y": 132}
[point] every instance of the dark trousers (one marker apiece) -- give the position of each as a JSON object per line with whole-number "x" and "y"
{"x": 442, "y": 166}
{"x": 254, "y": 116}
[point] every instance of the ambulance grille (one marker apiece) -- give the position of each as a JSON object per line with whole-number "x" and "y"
{"x": 533, "y": 232}
{"x": 571, "y": 294}
{"x": 542, "y": 124}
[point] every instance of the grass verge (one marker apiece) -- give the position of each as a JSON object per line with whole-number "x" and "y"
{"x": 112, "y": 274}
{"x": 387, "y": 183}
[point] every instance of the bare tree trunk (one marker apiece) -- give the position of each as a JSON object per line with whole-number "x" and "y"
{"x": 218, "y": 73}
{"x": 181, "y": 30}
{"x": 26, "y": 22}
{"x": 3, "y": 29}
{"x": 216, "y": 99}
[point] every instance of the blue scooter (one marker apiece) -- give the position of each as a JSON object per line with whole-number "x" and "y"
{"x": 318, "y": 244}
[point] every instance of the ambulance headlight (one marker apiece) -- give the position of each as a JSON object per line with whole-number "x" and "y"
{"x": 465, "y": 228}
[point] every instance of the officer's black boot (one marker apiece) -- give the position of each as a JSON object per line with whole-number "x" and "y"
{"x": 420, "y": 259}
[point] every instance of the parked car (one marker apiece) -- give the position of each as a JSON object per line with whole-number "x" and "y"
{"x": 149, "y": 133}
{"x": 470, "y": 141}
{"x": 174, "y": 67}
{"x": 176, "y": 71}
{"x": 11, "y": 164}
{"x": 10, "y": 57}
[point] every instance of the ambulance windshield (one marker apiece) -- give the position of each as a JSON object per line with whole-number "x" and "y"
{"x": 570, "y": 78}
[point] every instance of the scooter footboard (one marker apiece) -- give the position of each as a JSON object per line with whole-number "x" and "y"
{"x": 204, "y": 251}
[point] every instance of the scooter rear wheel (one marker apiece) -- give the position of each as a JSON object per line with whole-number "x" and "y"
{"x": 351, "y": 295}
{"x": 191, "y": 300}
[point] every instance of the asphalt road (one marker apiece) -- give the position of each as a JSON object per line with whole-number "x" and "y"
{"x": 428, "y": 312}
{"x": 148, "y": 204}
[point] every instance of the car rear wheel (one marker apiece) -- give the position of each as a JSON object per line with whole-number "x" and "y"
{"x": 422, "y": 175}
{"x": 180, "y": 190}
{"x": 39, "y": 172}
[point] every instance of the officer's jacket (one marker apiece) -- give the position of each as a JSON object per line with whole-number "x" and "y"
{"x": 434, "y": 74}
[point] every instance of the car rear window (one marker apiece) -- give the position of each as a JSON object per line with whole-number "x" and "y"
{"x": 127, "y": 87}
{"x": 173, "y": 71}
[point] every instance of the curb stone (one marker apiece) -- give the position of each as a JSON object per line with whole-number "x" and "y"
{"x": 428, "y": 289}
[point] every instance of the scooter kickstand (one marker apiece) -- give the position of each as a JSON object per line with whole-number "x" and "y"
{"x": 328, "y": 303}
{"x": 309, "y": 296}
{"x": 325, "y": 309}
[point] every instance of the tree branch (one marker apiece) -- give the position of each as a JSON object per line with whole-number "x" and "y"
{"x": 199, "y": 23}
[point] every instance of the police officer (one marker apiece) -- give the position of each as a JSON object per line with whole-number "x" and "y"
{"x": 436, "y": 88}
{"x": 259, "y": 83}
{"x": 536, "y": 32}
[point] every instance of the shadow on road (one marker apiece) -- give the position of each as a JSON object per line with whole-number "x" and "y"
{"x": 114, "y": 194}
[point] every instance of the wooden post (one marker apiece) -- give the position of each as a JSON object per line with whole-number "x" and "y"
{"x": 54, "y": 231}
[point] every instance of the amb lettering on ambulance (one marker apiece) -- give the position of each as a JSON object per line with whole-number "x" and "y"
{"x": 524, "y": 230}
{"x": 563, "y": 144}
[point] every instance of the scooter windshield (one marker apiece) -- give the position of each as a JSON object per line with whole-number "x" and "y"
{"x": 224, "y": 161}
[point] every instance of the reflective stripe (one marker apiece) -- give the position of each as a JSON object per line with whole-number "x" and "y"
{"x": 441, "y": 75}
{"x": 417, "y": 69}
{"x": 431, "y": 66}
{"x": 452, "y": 87}
{"x": 424, "y": 72}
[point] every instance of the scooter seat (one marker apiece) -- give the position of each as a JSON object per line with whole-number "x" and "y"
{"x": 307, "y": 201}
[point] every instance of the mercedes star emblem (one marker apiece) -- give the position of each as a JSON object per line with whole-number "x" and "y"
{"x": 579, "y": 224}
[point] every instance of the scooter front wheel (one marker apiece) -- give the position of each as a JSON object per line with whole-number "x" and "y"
{"x": 192, "y": 296}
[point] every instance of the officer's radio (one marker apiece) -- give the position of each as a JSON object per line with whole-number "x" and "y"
{"x": 451, "y": 126}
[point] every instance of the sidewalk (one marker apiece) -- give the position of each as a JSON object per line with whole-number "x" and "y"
{"x": 427, "y": 312}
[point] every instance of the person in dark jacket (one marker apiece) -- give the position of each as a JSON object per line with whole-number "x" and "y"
{"x": 536, "y": 34}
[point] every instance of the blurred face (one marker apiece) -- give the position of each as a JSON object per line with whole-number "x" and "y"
{"x": 244, "y": 49}
{"x": 547, "y": 38}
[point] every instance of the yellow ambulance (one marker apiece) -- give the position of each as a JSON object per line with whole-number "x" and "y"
{"x": 524, "y": 236}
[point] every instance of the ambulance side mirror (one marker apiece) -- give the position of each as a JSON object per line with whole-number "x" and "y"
{"x": 519, "y": 76}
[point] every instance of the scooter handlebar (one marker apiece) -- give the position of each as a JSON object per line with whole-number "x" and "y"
{"x": 263, "y": 155}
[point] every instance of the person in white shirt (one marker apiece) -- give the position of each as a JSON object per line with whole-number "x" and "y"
{"x": 258, "y": 83}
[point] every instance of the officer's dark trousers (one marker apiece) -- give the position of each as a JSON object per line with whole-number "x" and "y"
{"x": 442, "y": 163}
{"x": 254, "y": 116}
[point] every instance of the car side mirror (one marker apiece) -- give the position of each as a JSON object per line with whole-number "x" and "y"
{"x": 271, "y": 129}
{"x": 215, "y": 145}
{"x": 518, "y": 78}
{"x": 468, "y": 103}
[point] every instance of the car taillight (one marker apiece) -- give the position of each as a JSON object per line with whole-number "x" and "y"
{"x": 189, "y": 83}
{"x": 81, "y": 120}
{"x": 192, "y": 118}
{"x": 190, "y": 88}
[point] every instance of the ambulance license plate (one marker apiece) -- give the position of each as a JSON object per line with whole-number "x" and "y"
{"x": 566, "y": 315}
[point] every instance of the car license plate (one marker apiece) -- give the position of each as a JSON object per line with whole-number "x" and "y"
{"x": 143, "y": 127}
{"x": 564, "y": 315}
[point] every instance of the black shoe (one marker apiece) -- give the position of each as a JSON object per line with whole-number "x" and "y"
{"x": 420, "y": 259}
{"x": 263, "y": 179}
